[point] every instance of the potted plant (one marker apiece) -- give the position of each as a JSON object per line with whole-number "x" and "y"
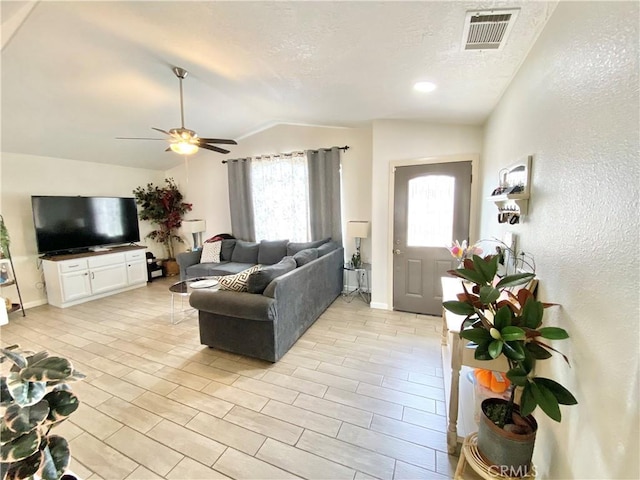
{"x": 5, "y": 241}
{"x": 163, "y": 206}
{"x": 35, "y": 398}
{"x": 501, "y": 322}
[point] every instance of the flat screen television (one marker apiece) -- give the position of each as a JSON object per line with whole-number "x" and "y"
{"x": 72, "y": 224}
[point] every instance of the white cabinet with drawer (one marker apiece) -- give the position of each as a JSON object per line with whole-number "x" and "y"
{"x": 82, "y": 278}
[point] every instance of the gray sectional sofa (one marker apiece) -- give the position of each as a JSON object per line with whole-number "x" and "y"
{"x": 296, "y": 283}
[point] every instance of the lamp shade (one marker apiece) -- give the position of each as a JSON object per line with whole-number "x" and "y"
{"x": 194, "y": 226}
{"x": 358, "y": 229}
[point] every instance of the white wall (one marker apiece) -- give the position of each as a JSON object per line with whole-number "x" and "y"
{"x": 26, "y": 175}
{"x": 398, "y": 140}
{"x": 574, "y": 106}
{"x": 205, "y": 176}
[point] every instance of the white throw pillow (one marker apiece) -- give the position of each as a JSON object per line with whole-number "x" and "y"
{"x": 211, "y": 252}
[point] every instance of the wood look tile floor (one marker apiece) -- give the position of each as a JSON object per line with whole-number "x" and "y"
{"x": 359, "y": 396}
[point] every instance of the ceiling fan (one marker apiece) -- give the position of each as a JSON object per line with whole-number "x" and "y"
{"x": 182, "y": 140}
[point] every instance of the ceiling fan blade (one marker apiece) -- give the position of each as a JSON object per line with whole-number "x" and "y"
{"x": 139, "y": 138}
{"x": 215, "y": 149}
{"x": 160, "y": 130}
{"x": 218, "y": 140}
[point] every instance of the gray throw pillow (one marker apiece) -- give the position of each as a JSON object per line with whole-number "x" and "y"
{"x": 305, "y": 256}
{"x": 295, "y": 247}
{"x": 326, "y": 248}
{"x": 227, "y": 249}
{"x": 245, "y": 252}
{"x": 259, "y": 280}
{"x": 272, "y": 251}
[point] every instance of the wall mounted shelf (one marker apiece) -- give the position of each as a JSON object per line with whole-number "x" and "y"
{"x": 517, "y": 179}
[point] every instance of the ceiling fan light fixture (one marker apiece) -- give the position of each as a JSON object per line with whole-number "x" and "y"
{"x": 184, "y": 148}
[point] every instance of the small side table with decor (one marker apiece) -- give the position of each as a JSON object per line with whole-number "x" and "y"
{"x": 362, "y": 274}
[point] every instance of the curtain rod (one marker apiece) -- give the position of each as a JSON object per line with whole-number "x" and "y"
{"x": 344, "y": 149}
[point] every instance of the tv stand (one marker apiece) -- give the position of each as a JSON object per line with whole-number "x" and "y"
{"x": 81, "y": 277}
{"x": 99, "y": 249}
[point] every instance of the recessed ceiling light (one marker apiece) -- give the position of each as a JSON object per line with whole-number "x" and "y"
{"x": 425, "y": 86}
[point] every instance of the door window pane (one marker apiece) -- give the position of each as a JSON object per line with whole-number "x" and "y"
{"x": 430, "y": 211}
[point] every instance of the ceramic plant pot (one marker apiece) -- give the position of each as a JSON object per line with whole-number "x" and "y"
{"x": 510, "y": 452}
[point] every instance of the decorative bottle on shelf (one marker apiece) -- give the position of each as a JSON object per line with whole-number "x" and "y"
{"x": 4, "y": 273}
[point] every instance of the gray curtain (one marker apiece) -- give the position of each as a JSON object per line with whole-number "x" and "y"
{"x": 324, "y": 194}
{"x": 241, "y": 199}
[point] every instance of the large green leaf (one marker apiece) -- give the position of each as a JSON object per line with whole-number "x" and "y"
{"x": 48, "y": 369}
{"x": 513, "y": 350}
{"x": 24, "y": 419}
{"x": 470, "y": 275}
{"x": 546, "y": 400}
{"x": 553, "y": 333}
{"x": 482, "y": 352}
{"x": 7, "y": 435}
{"x": 25, "y": 393}
{"x": 527, "y": 401}
{"x": 510, "y": 333}
{"x": 489, "y": 294}
{"x": 21, "y": 447}
{"x": 495, "y": 348}
{"x": 476, "y": 335}
{"x": 502, "y": 318}
{"x": 55, "y": 458}
{"x": 36, "y": 357}
{"x": 538, "y": 351}
{"x": 532, "y": 313}
{"x": 564, "y": 396}
{"x": 62, "y": 403}
{"x": 459, "y": 308}
{"x": 486, "y": 268}
{"x": 515, "y": 280}
{"x": 17, "y": 358}
{"x": 518, "y": 377}
{"x": 25, "y": 468}
{"x": 5, "y": 394}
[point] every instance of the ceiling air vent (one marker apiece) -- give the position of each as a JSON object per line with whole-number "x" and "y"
{"x": 487, "y": 30}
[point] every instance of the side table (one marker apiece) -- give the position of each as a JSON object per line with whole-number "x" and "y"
{"x": 362, "y": 281}
{"x": 183, "y": 289}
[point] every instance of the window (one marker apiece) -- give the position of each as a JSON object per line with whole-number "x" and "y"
{"x": 280, "y": 189}
{"x": 430, "y": 211}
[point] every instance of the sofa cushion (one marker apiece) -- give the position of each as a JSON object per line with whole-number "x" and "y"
{"x": 272, "y": 251}
{"x": 237, "y": 282}
{"x": 259, "y": 280}
{"x": 327, "y": 248}
{"x": 245, "y": 252}
{"x": 214, "y": 269}
{"x": 227, "y": 249}
{"x": 295, "y": 247}
{"x": 305, "y": 256}
{"x": 211, "y": 252}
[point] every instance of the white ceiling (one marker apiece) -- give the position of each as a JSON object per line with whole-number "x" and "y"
{"x": 75, "y": 75}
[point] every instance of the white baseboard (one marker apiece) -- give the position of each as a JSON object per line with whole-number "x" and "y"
{"x": 379, "y": 306}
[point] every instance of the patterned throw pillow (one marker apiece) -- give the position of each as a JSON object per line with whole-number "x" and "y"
{"x": 211, "y": 252}
{"x": 237, "y": 282}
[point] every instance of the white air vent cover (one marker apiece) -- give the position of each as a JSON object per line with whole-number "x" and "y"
{"x": 488, "y": 29}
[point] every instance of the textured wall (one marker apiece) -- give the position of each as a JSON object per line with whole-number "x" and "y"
{"x": 574, "y": 106}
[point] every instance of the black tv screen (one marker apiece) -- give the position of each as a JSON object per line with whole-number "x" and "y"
{"x": 78, "y": 223}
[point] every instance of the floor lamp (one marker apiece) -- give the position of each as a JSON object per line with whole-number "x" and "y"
{"x": 195, "y": 227}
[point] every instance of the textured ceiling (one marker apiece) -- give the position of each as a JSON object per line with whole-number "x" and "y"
{"x": 75, "y": 75}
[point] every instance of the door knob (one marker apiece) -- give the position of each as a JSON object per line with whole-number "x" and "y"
{"x": 397, "y": 251}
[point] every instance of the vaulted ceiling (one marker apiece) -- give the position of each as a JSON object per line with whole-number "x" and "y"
{"x": 76, "y": 75}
